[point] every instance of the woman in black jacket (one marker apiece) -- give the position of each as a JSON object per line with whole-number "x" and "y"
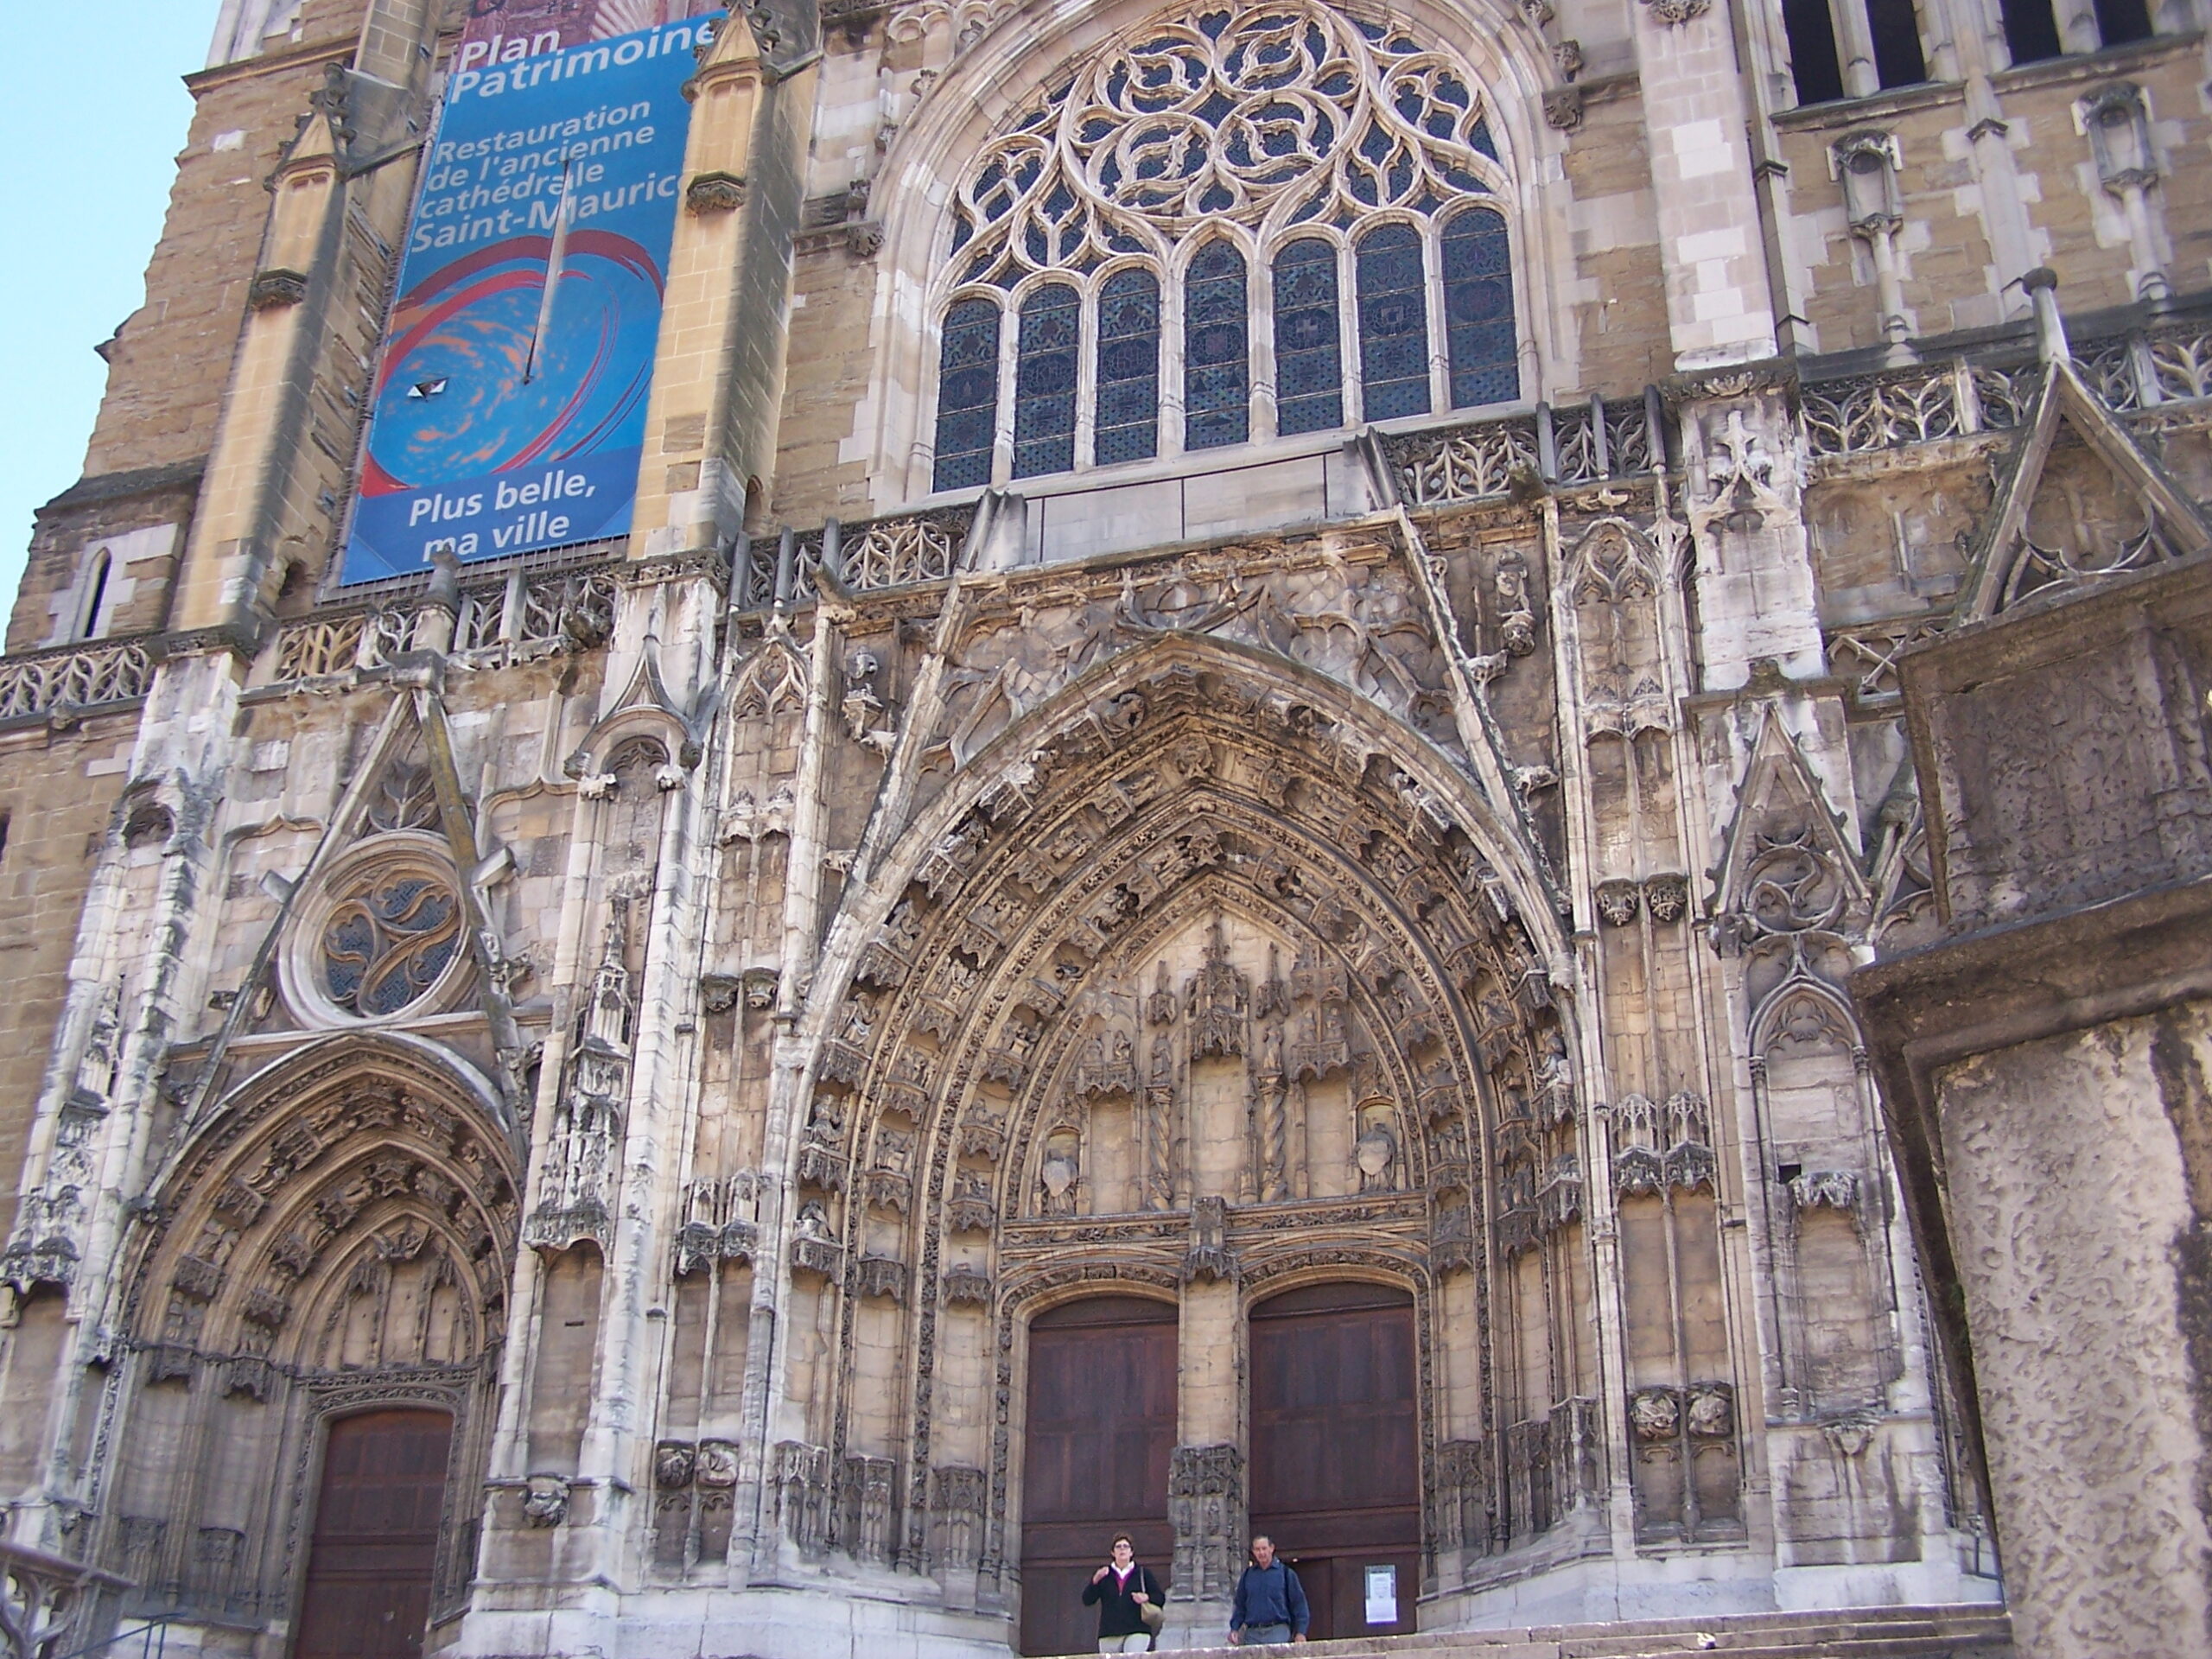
{"x": 1123, "y": 1590}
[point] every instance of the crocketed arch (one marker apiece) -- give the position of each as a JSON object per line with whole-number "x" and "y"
{"x": 1120, "y": 136}
{"x": 1347, "y": 734}
{"x": 1186, "y": 786}
{"x": 360, "y": 1148}
{"x": 338, "y": 1232}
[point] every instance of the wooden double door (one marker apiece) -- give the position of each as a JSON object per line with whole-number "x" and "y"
{"x": 1334, "y": 1467}
{"x": 374, "y": 1555}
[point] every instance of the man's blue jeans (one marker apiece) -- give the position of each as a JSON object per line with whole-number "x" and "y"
{"x": 1266, "y": 1636}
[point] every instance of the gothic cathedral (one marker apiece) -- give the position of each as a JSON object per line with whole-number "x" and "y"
{"x": 808, "y": 802}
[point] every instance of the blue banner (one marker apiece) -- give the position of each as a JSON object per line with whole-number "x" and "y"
{"x": 510, "y": 404}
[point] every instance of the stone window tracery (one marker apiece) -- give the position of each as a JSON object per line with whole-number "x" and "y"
{"x": 1217, "y": 397}
{"x": 1309, "y": 357}
{"x": 380, "y": 937}
{"x": 386, "y": 943}
{"x": 1393, "y": 322}
{"x": 1045, "y": 381}
{"x": 1205, "y": 189}
{"x": 968, "y": 394}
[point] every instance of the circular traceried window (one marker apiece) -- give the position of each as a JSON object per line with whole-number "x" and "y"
{"x": 386, "y": 944}
{"x": 382, "y": 937}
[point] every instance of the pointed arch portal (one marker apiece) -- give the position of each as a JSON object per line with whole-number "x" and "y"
{"x": 1336, "y": 1464}
{"x": 1198, "y": 975}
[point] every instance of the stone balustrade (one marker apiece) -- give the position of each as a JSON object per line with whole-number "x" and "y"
{"x": 97, "y": 674}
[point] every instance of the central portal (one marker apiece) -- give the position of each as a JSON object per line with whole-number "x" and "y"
{"x": 1101, "y": 1428}
{"x": 1336, "y": 1469}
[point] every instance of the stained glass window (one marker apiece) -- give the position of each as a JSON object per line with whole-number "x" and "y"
{"x": 386, "y": 945}
{"x": 1128, "y": 368}
{"x": 1043, "y": 381}
{"x": 1478, "y": 310}
{"x": 1217, "y": 353}
{"x": 1309, "y": 363}
{"x": 968, "y": 396}
{"x": 1393, "y": 323}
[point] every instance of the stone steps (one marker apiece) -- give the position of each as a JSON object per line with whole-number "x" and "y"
{"x": 1961, "y": 1632}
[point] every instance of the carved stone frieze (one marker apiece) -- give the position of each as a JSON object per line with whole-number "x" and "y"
{"x": 1618, "y": 901}
{"x": 715, "y": 192}
{"x": 674, "y": 1463}
{"x": 1665, "y": 898}
{"x": 870, "y": 1489}
{"x": 1655, "y": 1414}
{"x": 801, "y": 1478}
{"x": 958, "y": 1495}
{"x": 967, "y": 1286}
{"x": 1825, "y": 1189}
{"x": 882, "y": 1276}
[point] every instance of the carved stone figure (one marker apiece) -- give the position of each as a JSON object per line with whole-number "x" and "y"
{"x": 1656, "y": 1413}
{"x": 1059, "y": 1176}
{"x": 545, "y": 1500}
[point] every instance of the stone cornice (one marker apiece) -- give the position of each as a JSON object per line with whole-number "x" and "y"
{"x": 307, "y": 55}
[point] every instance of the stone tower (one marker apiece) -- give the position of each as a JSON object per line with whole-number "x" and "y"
{"x": 806, "y": 803}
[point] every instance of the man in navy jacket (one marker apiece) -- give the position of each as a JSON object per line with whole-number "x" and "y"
{"x": 1270, "y": 1602}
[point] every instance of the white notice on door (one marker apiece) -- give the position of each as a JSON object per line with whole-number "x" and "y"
{"x": 1382, "y": 1595}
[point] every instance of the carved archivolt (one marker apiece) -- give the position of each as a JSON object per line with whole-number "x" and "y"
{"x": 1203, "y": 885}
{"x": 327, "y": 1182}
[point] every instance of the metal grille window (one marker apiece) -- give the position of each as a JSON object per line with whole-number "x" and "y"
{"x": 1217, "y": 356}
{"x": 1128, "y": 368}
{"x": 1045, "y": 382}
{"x": 1393, "y": 323}
{"x": 1479, "y": 310}
{"x": 967, "y": 396}
{"x": 1309, "y": 357}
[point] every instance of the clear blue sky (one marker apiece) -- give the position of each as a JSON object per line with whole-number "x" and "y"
{"x": 91, "y": 118}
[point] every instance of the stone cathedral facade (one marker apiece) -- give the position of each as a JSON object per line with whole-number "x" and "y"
{"x": 1250, "y": 710}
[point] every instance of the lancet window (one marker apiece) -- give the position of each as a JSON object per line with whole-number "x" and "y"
{"x": 1230, "y": 226}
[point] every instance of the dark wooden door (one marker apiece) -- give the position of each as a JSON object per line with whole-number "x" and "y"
{"x": 376, "y": 1536}
{"x": 1335, "y": 1462}
{"x": 1101, "y": 1428}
